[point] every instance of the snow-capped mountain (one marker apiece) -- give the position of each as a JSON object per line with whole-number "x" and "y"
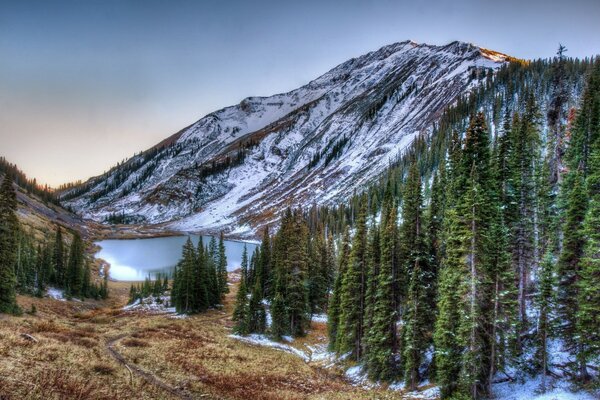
{"x": 235, "y": 168}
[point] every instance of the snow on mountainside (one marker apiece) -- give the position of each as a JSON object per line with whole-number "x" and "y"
{"x": 316, "y": 144}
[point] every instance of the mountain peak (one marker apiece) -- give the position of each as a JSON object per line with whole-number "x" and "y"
{"x": 318, "y": 143}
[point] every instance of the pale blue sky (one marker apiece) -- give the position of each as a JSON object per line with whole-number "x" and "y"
{"x": 84, "y": 84}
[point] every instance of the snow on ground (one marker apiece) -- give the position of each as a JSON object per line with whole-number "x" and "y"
{"x": 263, "y": 340}
{"x": 320, "y": 318}
{"x": 358, "y": 377}
{"x": 57, "y": 294}
{"x": 427, "y": 394}
{"x": 530, "y": 390}
{"x": 154, "y": 305}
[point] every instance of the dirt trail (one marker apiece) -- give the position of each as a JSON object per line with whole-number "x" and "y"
{"x": 147, "y": 376}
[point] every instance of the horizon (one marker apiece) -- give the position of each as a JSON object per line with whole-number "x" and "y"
{"x": 84, "y": 86}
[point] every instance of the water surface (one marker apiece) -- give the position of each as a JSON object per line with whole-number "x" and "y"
{"x": 135, "y": 259}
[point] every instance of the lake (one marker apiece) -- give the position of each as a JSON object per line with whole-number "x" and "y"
{"x": 135, "y": 259}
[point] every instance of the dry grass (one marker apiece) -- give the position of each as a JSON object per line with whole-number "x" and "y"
{"x": 71, "y": 361}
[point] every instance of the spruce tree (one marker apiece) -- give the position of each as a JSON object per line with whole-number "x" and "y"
{"x": 202, "y": 298}
{"x": 381, "y": 339}
{"x": 222, "y": 266}
{"x": 569, "y": 263}
{"x": 9, "y": 226}
{"x": 334, "y": 308}
{"x": 544, "y": 300}
{"x": 256, "y": 310}
{"x": 418, "y": 318}
{"x": 297, "y": 270}
{"x": 352, "y": 297}
{"x": 241, "y": 312}
{"x": 588, "y": 285}
{"x": 266, "y": 263}
{"x": 75, "y": 267}
{"x": 452, "y": 290}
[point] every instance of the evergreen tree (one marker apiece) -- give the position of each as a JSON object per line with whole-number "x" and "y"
{"x": 544, "y": 300}
{"x": 59, "y": 267}
{"x": 382, "y": 337}
{"x": 75, "y": 267}
{"x": 222, "y": 266}
{"x": 297, "y": 265}
{"x": 241, "y": 312}
{"x": 9, "y": 226}
{"x": 334, "y": 308}
{"x": 352, "y": 297}
{"x": 266, "y": 263}
{"x": 201, "y": 280}
{"x": 448, "y": 349}
{"x": 257, "y": 315}
{"x": 184, "y": 299}
{"x": 280, "y": 322}
{"x": 418, "y": 318}
{"x": 588, "y": 285}
{"x": 569, "y": 263}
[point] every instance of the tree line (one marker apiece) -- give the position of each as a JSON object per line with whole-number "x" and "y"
{"x": 288, "y": 277}
{"x": 503, "y": 259}
{"x": 200, "y": 276}
{"x": 29, "y": 265}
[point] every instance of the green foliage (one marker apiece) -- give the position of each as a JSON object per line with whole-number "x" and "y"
{"x": 196, "y": 283}
{"x": 9, "y": 226}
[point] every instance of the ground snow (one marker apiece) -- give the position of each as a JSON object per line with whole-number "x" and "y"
{"x": 557, "y": 390}
{"x": 265, "y": 341}
{"x": 320, "y": 318}
{"x": 154, "y": 305}
{"x": 57, "y": 294}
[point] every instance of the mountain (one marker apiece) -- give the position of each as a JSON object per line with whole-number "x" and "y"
{"x": 235, "y": 168}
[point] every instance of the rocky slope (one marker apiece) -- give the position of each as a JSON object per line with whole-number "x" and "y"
{"x": 235, "y": 167}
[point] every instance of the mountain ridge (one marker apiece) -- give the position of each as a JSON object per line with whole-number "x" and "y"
{"x": 265, "y": 151}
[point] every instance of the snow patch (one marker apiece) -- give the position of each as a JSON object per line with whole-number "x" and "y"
{"x": 263, "y": 340}
{"x": 57, "y": 294}
{"x": 530, "y": 390}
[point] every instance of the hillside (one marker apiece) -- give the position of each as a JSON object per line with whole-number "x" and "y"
{"x": 235, "y": 168}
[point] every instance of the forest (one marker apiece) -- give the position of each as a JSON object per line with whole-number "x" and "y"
{"x": 469, "y": 275}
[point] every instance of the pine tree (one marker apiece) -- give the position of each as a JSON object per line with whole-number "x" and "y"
{"x": 58, "y": 260}
{"x": 257, "y": 314}
{"x": 75, "y": 267}
{"x": 452, "y": 290}
{"x": 334, "y": 308}
{"x": 569, "y": 263}
{"x": 266, "y": 263}
{"x": 297, "y": 269}
{"x": 280, "y": 324}
{"x": 202, "y": 298}
{"x": 374, "y": 258}
{"x": 9, "y": 226}
{"x": 544, "y": 300}
{"x": 588, "y": 285}
{"x": 418, "y": 318}
{"x": 241, "y": 312}
{"x": 222, "y": 266}
{"x": 382, "y": 337}
{"x": 184, "y": 300}
{"x": 352, "y": 297}
{"x": 475, "y": 208}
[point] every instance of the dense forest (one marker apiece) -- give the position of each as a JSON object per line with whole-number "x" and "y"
{"x": 473, "y": 261}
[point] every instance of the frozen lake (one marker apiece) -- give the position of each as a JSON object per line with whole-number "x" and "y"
{"x": 135, "y": 259}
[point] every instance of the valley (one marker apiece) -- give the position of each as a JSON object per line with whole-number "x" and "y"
{"x": 419, "y": 222}
{"x": 98, "y": 350}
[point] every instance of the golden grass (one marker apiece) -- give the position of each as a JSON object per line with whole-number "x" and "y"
{"x": 71, "y": 359}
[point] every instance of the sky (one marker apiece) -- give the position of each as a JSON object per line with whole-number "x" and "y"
{"x": 86, "y": 84}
